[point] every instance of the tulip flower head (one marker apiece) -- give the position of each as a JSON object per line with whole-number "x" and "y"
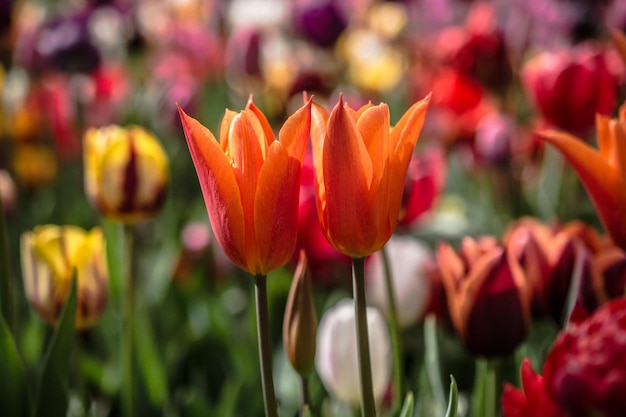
{"x": 602, "y": 171}
{"x": 360, "y": 169}
{"x": 585, "y": 370}
{"x": 50, "y": 257}
{"x": 251, "y": 183}
{"x": 126, "y": 172}
{"x": 488, "y": 296}
{"x": 336, "y": 358}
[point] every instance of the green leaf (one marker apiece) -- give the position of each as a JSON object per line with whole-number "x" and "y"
{"x": 52, "y": 396}
{"x": 150, "y": 362}
{"x": 453, "y": 401}
{"x": 431, "y": 358}
{"x": 12, "y": 385}
{"x": 306, "y": 412}
{"x": 407, "y": 407}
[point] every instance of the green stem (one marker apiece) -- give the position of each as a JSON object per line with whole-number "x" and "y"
{"x": 486, "y": 395}
{"x": 6, "y": 284}
{"x": 304, "y": 394}
{"x": 394, "y": 333}
{"x": 368, "y": 406}
{"x": 128, "y": 314}
{"x": 265, "y": 352}
{"x": 491, "y": 396}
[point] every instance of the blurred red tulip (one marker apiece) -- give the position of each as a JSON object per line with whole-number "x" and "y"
{"x": 570, "y": 86}
{"x": 424, "y": 182}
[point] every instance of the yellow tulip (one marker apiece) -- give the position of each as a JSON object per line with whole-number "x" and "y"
{"x": 126, "y": 172}
{"x": 50, "y": 257}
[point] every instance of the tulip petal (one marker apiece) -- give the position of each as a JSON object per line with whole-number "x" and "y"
{"x": 373, "y": 124}
{"x": 402, "y": 139}
{"x": 294, "y": 134}
{"x": 601, "y": 180}
{"x": 348, "y": 175}
{"x": 276, "y": 208}
{"x": 268, "y": 133}
{"x": 219, "y": 188}
{"x": 227, "y": 120}
{"x": 618, "y": 136}
{"x": 319, "y": 121}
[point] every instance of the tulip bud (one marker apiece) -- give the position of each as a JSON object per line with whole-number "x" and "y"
{"x": 51, "y": 255}
{"x": 300, "y": 322}
{"x": 410, "y": 263}
{"x": 585, "y": 370}
{"x": 488, "y": 296}
{"x": 125, "y": 172}
{"x": 336, "y": 359}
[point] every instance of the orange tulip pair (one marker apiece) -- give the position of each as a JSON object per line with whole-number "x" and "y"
{"x": 250, "y": 180}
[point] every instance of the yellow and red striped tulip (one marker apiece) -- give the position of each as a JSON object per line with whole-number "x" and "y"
{"x": 602, "y": 171}
{"x": 50, "y": 257}
{"x": 126, "y": 172}
{"x": 251, "y": 182}
{"x": 360, "y": 168}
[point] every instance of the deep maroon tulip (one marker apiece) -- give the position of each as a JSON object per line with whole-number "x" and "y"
{"x": 321, "y": 21}
{"x": 488, "y": 296}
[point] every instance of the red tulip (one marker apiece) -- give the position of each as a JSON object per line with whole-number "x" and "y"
{"x": 585, "y": 370}
{"x": 571, "y": 86}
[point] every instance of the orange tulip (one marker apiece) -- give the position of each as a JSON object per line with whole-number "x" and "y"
{"x": 602, "y": 171}
{"x": 250, "y": 182}
{"x": 360, "y": 168}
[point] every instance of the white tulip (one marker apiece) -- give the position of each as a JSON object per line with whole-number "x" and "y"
{"x": 410, "y": 261}
{"x": 336, "y": 359}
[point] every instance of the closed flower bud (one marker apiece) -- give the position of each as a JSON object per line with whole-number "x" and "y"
{"x": 336, "y": 358}
{"x": 410, "y": 262}
{"x": 51, "y": 256}
{"x": 300, "y": 322}
{"x": 585, "y": 370}
{"x": 488, "y": 296}
{"x": 126, "y": 173}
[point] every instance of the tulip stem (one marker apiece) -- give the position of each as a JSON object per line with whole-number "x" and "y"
{"x": 265, "y": 352}
{"x": 304, "y": 394}
{"x": 368, "y": 406}
{"x": 394, "y": 332}
{"x": 7, "y": 302}
{"x": 128, "y": 309}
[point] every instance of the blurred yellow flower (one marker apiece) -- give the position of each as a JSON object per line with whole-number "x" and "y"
{"x": 126, "y": 172}
{"x": 50, "y": 255}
